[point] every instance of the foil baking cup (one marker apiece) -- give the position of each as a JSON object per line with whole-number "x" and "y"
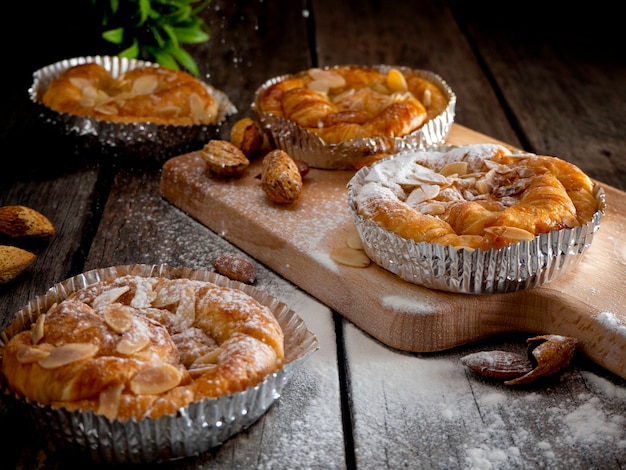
{"x": 193, "y": 429}
{"x": 522, "y": 265}
{"x": 308, "y": 147}
{"x": 141, "y": 139}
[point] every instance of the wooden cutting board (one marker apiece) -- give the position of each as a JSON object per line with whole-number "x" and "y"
{"x": 587, "y": 304}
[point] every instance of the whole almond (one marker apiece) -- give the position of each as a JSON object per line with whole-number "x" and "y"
{"x": 248, "y": 136}
{"x": 13, "y": 261}
{"x": 280, "y": 178}
{"x": 235, "y": 267}
{"x": 498, "y": 365}
{"x": 22, "y": 221}
{"x": 224, "y": 158}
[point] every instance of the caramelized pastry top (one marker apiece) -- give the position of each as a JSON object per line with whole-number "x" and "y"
{"x": 477, "y": 196}
{"x": 142, "y": 347}
{"x": 354, "y": 102}
{"x": 145, "y": 94}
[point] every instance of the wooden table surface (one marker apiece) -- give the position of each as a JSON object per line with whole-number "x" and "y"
{"x": 547, "y": 82}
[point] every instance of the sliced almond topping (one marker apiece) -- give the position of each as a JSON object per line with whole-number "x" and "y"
{"x": 511, "y": 233}
{"x": 433, "y": 208}
{"x": 330, "y": 78}
{"x": 118, "y": 317}
{"x": 145, "y": 84}
{"x": 109, "y": 400}
{"x": 108, "y": 297}
{"x": 68, "y": 353}
{"x": 396, "y": 81}
{"x": 454, "y": 168}
{"x": 155, "y": 380}
{"x": 186, "y": 310}
{"x": 209, "y": 358}
{"x": 423, "y": 193}
{"x": 350, "y": 257}
{"x": 29, "y": 354}
{"x": 353, "y": 240}
{"x": 427, "y": 98}
{"x": 131, "y": 343}
{"x": 38, "y": 329}
{"x": 198, "y": 371}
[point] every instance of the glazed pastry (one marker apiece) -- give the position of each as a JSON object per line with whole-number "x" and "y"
{"x": 353, "y": 102}
{"x": 145, "y": 94}
{"x": 142, "y": 347}
{"x": 477, "y": 196}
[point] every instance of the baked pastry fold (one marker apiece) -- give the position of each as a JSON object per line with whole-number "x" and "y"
{"x": 334, "y": 116}
{"x": 250, "y": 327}
{"x": 476, "y": 218}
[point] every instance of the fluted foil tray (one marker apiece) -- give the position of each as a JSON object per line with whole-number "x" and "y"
{"x": 142, "y": 139}
{"x": 522, "y": 265}
{"x": 310, "y": 148}
{"x": 194, "y": 429}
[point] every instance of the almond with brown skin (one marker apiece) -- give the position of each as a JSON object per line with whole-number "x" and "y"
{"x": 280, "y": 178}
{"x": 248, "y": 136}
{"x": 13, "y": 261}
{"x": 21, "y": 221}
{"x": 498, "y": 365}
{"x": 235, "y": 267}
{"x": 224, "y": 159}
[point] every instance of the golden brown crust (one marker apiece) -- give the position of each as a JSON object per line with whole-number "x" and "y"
{"x": 144, "y": 347}
{"x": 352, "y": 102}
{"x": 492, "y": 199}
{"x": 145, "y": 94}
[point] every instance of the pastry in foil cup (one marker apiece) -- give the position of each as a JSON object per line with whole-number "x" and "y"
{"x": 308, "y": 147}
{"x": 193, "y": 429}
{"x": 145, "y": 140}
{"x": 521, "y": 265}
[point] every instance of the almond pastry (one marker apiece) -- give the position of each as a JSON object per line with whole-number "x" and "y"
{"x": 477, "y": 196}
{"x": 354, "y": 102}
{"x": 139, "y": 347}
{"x": 145, "y": 94}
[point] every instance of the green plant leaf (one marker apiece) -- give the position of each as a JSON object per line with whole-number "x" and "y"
{"x": 132, "y": 52}
{"x": 186, "y": 60}
{"x": 164, "y": 58}
{"x": 114, "y": 36}
{"x": 144, "y": 11}
{"x": 191, "y": 35}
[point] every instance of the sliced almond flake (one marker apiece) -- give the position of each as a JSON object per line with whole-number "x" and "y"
{"x": 109, "y": 400}
{"x": 132, "y": 343}
{"x": 350, "y": 257}
{"x": 427, "y": 98}
{"x": 434, "y": 208}
{"x": 510, "y": 233}
{"x": 145, "y": 84}
{"x": 454, "y": 168}
{"x": 333, "y": 79}
{"x": 106, "y": 109}
{"x": 353, "y": 240}
{"x": 198, "y": 371}
{"x": 108, "y": 297}
{"x": 186, "y": 310}
{"x": 38, "y": 329}
{"x": 209, "y": 358}
{"x": 423, "y": 193}
{"x": 80, "y": 82}
{"x": 196, "y": 107}
{"x": 66, "y": 354}
{"x": 396, "y": 81}
{"x": 319, "y": 86}
{"x": 118, "y": 317}
{"x": 155, "y": 380}
{"x": 29, "y": 354}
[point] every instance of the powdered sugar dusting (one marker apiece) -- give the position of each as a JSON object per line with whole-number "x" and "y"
{"x": 408, "y": 305}
{"x": 434, "y": 399}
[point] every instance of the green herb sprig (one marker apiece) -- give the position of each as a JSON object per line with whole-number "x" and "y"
{"x": 155, "y": 28}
